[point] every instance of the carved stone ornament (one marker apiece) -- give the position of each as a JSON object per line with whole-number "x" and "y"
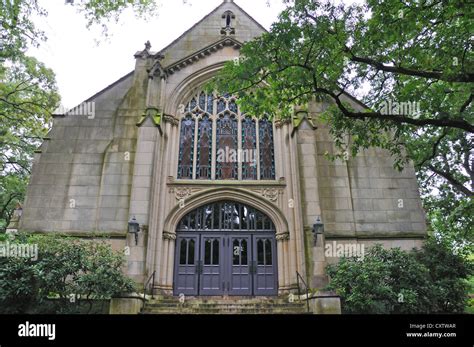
{"x": 181, "y": 193}
{"x": 269, "y": 193}
{"x": 283, "y": 236}
{"x": 169, "y": 235}
{"x": 170, "y": 119}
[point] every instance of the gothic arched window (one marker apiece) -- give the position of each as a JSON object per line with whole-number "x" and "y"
{"x": 218, "y": 142}
{"x": 228, "y": 16}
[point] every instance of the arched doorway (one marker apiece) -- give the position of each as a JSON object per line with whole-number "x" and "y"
{"x": 225, "y": 248}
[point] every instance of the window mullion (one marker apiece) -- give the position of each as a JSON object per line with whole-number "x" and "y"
{"x": 239, "y": 146}
{"x": 257, "y": 136}
{"x": 214, "y": 138}
{"x": 196, "y": 125}
{"x": 214, "y": 152}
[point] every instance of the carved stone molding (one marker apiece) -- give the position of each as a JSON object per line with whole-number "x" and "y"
{"x": 145, "y": 53}
{"x": 181, "y": 193}
{"x": 269, "y": 193}
{"x": 169, "y": 235}
{"x": 171, "y": 119}
{"x": 157, "y": 69}
{"x": 281, "y": 122}
{"x": 283, "y": 236}
{"x": 225, "y": 42}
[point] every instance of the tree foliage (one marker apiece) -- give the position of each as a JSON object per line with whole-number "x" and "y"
{"x": 28, "y": 95}
{"x": 100, "y": 12}
{"x": 28, "y": 91}
{"x": 417, "y": 52}
{"x": 379, "y": 51}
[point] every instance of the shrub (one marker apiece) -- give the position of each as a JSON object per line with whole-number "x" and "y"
{"x": 449, "y": 273}
{"x": 430, "y": 280}
{"x": 72, "y": 271}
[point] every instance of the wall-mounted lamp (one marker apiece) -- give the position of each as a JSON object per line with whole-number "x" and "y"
{"x": 318, "y": 228}
{"x": 134, "y": 228}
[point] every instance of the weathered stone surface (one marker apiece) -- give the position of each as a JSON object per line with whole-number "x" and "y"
{"x": 127, "y": 305}
{"x": 326, "y": 305}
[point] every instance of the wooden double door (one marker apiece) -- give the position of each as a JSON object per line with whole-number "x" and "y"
{"x": 223, "y": 263}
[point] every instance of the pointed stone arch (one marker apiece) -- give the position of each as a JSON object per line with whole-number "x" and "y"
{"x": 234, "y": 194}
{"x": 213, "y": 195}
{"x": 186, "y": 88}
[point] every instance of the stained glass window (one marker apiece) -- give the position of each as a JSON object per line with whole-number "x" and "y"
{"x": 235, "y": 155}
{"x": 220, "y": 105}
{"x": 192, "y": 104}
{"x": 226, "y": 215}
{"x": 210, "y": 104}
{"x": 204, "y": 148}
{"x": 226, "y": 163}
{"x": 267, "y": 156}
{"x": 233, "y": 106}
{"x": 249, "y": 149}
{"x": 202, "y": 101}
{"x": 186, "y": 148}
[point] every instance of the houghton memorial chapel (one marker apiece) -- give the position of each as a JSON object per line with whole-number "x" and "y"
{"x": 153, "y": 149}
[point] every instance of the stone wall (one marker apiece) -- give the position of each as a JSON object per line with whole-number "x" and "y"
{"x": 361, "y": 201}
{"x": 69, "y": 187}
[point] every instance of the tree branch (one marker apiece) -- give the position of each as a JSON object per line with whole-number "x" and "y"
{"x": 450, "y": 178}
{"x": 463, "y": 77}
{"x": 435, "y": 149}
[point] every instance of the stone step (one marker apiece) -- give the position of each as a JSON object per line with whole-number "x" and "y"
{"x": 224, "y": 305}
{"x": 219, "y": 298}
{"x": 227, "y": 313}
{"x": 197, "y": 303}
{"x": 223, "y": 308}
{"x": 224, "y": 311}
{"x": 223, "y": 301}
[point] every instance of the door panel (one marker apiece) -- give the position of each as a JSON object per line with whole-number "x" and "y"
{"x": 211, "y": 281}
{"x": 239, "y": 265}
{"x": 264, "y": 255}
{"x": 186, "y": 276}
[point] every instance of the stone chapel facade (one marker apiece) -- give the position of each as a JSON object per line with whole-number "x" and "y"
{"x": 153, "y": 147}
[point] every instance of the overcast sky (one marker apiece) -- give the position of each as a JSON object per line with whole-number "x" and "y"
{"x": 84, "y": 67}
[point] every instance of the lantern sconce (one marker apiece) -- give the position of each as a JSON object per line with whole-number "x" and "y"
{"x": 134, "y": 228}
{"x": 318, "y": 228}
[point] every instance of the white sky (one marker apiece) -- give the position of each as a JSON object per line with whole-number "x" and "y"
{"x": 83, "y": 67}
